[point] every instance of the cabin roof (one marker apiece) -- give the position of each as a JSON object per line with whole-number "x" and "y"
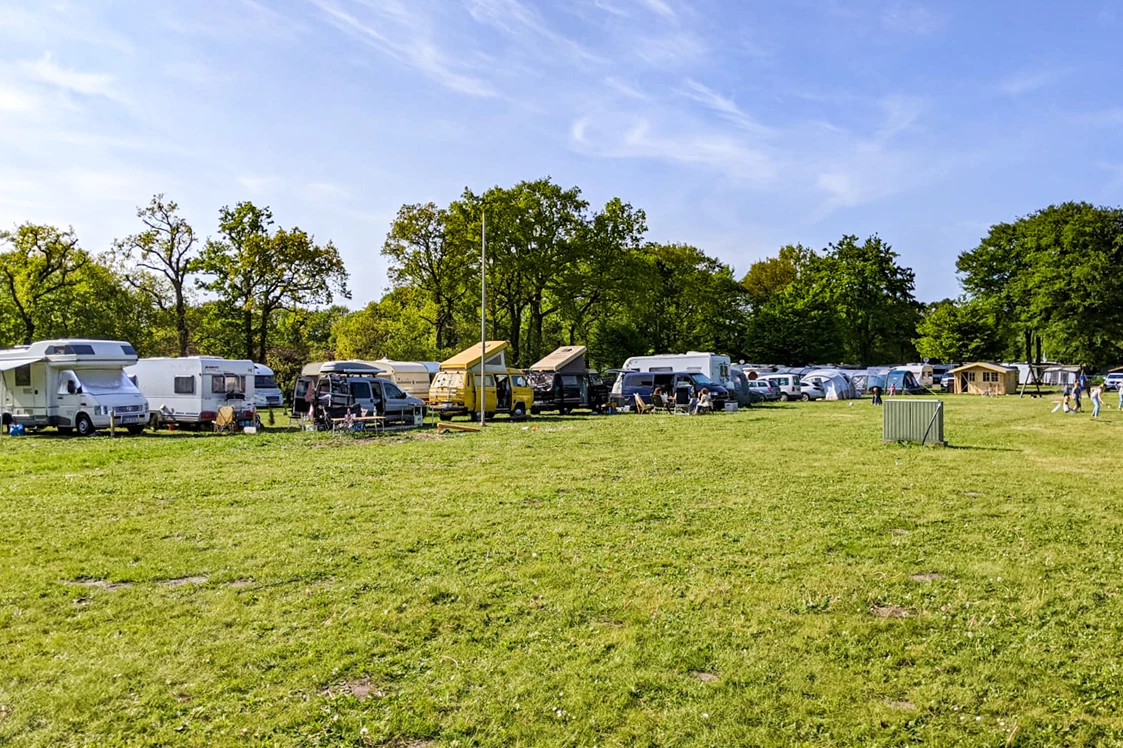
{"x": 983, "y": 365}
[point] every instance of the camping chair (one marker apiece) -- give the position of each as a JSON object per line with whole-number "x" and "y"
{"x": 225, "y": 420}
{"x": 641, "y": 406}
{"x": 661, "y": 404}
{"x": 682, "y": 400}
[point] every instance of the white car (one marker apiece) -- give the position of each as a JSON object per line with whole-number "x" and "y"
{"x": 1113, "y": 380}
{"x": 811, "y": 390}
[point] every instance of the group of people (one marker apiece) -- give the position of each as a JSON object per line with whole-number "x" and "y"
{"x": 701, "y": 403}
{"x": 1071, "y": 401}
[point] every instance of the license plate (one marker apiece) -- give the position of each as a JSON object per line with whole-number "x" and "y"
{"x": 126, "y": 419}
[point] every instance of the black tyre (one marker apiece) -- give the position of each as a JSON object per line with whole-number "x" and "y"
{"x": 135, "y": 428}
{"x": 805, "y": 397}
{"x": 84, "y": 425}
{"x": 565, "y": 411}
{"x": 519, "y": 412}
{"x": 784, "y": 397}
{"x": 66, "y": 430}
{"x": 443, "y": 415}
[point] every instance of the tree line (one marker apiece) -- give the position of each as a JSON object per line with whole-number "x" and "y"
{"x": 561, "y": 271}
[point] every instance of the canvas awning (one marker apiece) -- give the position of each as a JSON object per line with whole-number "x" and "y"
{"x": 15, "y": 363}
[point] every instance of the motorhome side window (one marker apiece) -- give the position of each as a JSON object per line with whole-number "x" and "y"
{"x": 23, "y": 376}
{"x": 184, "y": 385}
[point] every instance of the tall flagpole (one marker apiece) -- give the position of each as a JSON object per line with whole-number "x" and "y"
{"x": 483, "y": 321}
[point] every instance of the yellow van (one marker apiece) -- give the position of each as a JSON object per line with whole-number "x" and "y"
{"x": 456, "y": 387}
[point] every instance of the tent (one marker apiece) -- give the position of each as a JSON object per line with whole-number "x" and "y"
{"x": 836, "y": 384}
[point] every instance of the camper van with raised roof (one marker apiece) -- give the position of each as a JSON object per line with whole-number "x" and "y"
{"x": 563, "y": 382}
{"x": 332, "y": 388}
{"x": 456, "y": 389}
{"x": 72, "y": 385}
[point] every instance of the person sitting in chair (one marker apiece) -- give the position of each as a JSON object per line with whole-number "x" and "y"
{"x": 704, "y": 403}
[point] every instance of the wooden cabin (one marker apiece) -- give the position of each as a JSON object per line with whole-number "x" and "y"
{"x": 981, "y": 378}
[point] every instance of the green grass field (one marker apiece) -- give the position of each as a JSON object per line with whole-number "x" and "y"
{"x": 773, "y": 577}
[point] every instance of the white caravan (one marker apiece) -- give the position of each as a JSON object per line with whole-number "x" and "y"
{"x": 924, "y": 374}
{"x": 411, "y": 376}
{"x": 73, "y": 385}
{"x": 713, "y": 366}
{"x": 190, "y": 390}
{"x": 266, "y": 393}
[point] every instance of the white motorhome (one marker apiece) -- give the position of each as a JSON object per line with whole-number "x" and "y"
{"x": 190, "y": 390}
{"x": 714, "y": 366}
{"x": 266, "y": 393}
{"x": 924, "y": 374}
{"x": 73, "y": 385}
{"x": 411, "y": 376}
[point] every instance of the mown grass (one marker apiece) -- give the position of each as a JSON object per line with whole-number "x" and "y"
{"x": 738, "y": 579}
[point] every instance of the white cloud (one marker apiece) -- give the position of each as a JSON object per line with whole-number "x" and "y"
{"x": 724, "y": 106}
{"x": 624, "y": 89}
{"x": 523, "y": 24}
{"x": 659, "y": 8}
{"x": 14, "y": 100}
{"x": 1028, "y": 81}
{"x": 407, "y": 44}
{"x": 911, "y": 18}
{"x": 45, "y": 70}
{"x": 669, "y": 50}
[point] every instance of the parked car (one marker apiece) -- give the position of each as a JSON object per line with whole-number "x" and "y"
{"x": 337, "y": 387}
{"x": 765, "y": 389}
{"x": 947, "y": 382}
{"x": 786, "y": 384}
{"x": 811, "y": 390}
{"x": 1114, "y": 380}
{"x": 746, "y": 396}
{"x": 643, "y": 383}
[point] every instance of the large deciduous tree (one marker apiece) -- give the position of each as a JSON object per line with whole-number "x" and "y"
{"x": 957, "y": 331}
{"x": 258, "y": 271}
{"x": 40, "y": 263}
{"x": 166, "y": 256}
{"x": 1055, "y": 275}
{"x": 435, "y": 258}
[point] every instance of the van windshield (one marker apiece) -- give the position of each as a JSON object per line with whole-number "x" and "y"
{"x": 106, "y": 382}
{"x": 702, "y": 379}
{"x": 264, "y": 382}
{"x": 448, "y": 379}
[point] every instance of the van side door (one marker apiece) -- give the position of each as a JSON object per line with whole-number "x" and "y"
{"x": 394, "y": 399}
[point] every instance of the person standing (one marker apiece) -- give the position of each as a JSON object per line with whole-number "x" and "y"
{"x": 876, "y": 392}
{"x": 1097, "y": 400}
{"x": 1076, "y": 395}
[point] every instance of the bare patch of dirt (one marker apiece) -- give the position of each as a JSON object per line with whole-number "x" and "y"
{"x": 927, "y": 576}
{"x": 241, "y": 584}
{"x": 98, "y": 584}
{"x": 180, "y": 581}
{"x": 890, "y": 611}
{"x": 704, "y": 676}
{"x": 362, "y": 689}
{"x": 903, "y": 705}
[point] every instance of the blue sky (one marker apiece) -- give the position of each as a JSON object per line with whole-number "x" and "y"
{"x": 738, "y": 125}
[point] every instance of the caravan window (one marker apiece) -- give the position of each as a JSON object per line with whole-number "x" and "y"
{"x": 660, "y": 368}
{"x": 23, "y": 376}
{"x": 184, "y": 385}
{"x": 218, "y": 384}
{"x": 235, "y": 384}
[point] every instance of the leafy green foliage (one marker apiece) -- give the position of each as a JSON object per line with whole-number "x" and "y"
{"x": 959, "y": 331}
{"x": 41, "y": 262}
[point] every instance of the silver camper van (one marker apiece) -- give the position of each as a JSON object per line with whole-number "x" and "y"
{"x": 72, "y": 385}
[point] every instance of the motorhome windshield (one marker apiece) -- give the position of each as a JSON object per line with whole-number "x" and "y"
{"x": 106, "y": 382}
{"x": 264, "y": 382}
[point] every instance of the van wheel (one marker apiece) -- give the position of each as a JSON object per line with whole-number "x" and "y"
{"x": 519, "y": 412}
{"x": 84, "y": 425}
{"x": 473, "y": 416}
{"x": 564, "y": 411}
{"x": 784, "y": 397}
{"x": 135, "y": 428}
{"x": 805, "y": 397}
{"x": 65, "y": 430}
{"x": 443, "y": 415}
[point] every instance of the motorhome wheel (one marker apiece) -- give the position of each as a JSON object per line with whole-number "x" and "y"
{"x": 84, "y": 425}
{"x": 135, "y": 428}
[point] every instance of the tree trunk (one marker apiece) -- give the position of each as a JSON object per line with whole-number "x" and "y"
{"x": 247, "y": 330}
{"x": 516, "y": 331}
{"x": 534, "y": 332}
{"x": 263, "y": 333}
{"x": 28, "y": 331}
{"x": 181, "y": 320}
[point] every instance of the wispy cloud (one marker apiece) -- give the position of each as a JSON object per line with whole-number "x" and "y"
{"x": 1028, "y": 81}
{"x": 526, "y": 26}
{"x": 660, "y": 8}
{"x": 407, "y": 43}
{"x": 724, "y": 106}
{"x": 911, "y": 18}
{"x": 44, "y": 70}
{"x": 669, "y": 50}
